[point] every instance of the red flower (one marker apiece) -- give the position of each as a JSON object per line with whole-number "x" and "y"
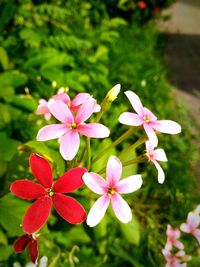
{"x": 49, "y": 193}
{"x": 29, "y": 242}
{"x": 142, "y": 4}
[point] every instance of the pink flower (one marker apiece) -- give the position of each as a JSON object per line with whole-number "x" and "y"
{"x": 146, "y": 118}
{"x": 191, "y": 225}
{"x": 110, "y": 190}
{"x": 172, "y": 238}
{"x": 43, "y": 109}
{"x": 154, "y": 156}
{"x": 70, "y": 127}
{"x": 174, "y": 260}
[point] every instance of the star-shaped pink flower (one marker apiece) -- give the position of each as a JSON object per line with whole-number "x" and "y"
{"x": 110, "y": 190}
{"x": 154, "y": 156}
{"x": 147, "y": 119}
{"x": 71, "y": 126}
{"x": 172, "y": 238}
{"x": 175, "y": 260}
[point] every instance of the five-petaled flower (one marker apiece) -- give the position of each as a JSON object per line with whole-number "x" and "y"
{"x": 110, "y": 190}
{"x": 27, "y": 241}
{"x": 146, "y": 118}
{"x": 176, "y": 260}
{"x": 172, "y": 238}
{"x": 70, "y": 127}
{"x": 48, "y": 193}
{"x": 191, "y": 225}
{"x": 154, "y": 156}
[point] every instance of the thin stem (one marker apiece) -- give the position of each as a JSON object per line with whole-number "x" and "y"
{"x": 116, "y": 142}
{"x": 88, "y": 153}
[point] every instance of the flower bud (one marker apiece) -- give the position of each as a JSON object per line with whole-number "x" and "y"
{"x": 113, "y": 93}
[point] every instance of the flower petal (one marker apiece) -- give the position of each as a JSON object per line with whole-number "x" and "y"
{"x": 85, "y": 111}
{"x": 149, "y": 147}
{"x": 69, "y": 209}
{"x": 37, "y": 215}
{"x": 41, "y": 170}
{"x": 159, "y": 154}
{"x": 42, "y": 107}
{"x": 27, "y": 189}
{"x": 21, "y": 243}
{"x": 94, "y": 130}
{"x": 196, "y": 234}
{"x": 121, "y": 208}
{"x": 131, "y": 119}
{"x": 62, "y": 97}
{"x": 129, "y": 184}
{"x": 80, "y": 99}
{"x": 69, "y": 144}
{"x": 135, "y": 102}
{"x": 161, "y": 174}
{"x": 52, "y": 131}
{"x": 113, "y": 171}
{"x": 95, "y": 182}
{"x": 60, "y": 111}
{"x": 33, "y": 250}
{"x": 185, "y": 228}
{"x": 151, "y": 134}
{"x": 98, "y": 210}
{"x": 167, "y": 126}
{"x": 70, "y": 180}
{"x": 193, "y": 220}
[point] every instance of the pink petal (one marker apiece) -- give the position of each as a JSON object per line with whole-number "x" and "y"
{"x": 98, "y": 210}
{"x": 159, "y": 154}
{"x": 149, "y": 147}
{"x": 95, "y": 182}
{"x": 151, "y": 134}
{"x": 135, "y": 102}
{"x": 113, "y": 171}
{"x": 61, "y": 111}
{"x": 129, "y": 184}
{"x": 196, "y": 234}
{"x": 36, "y": 215}
{"x": 27, "y": 189}
{"x": 43, "y": 107}
{"x": 121, "y": 208}
{"x": 62, "y": 97}
{"x": 70, "y": 180}
{"x": 131, "y": 119}
{"x": 167, "y": 126}
{"x": 193, "y": 220}
{"x": 80, "y": 99}
{"x": 161, "y": 175}
{"x": 41, "y": 170}
{"x": 149, "y": 114}
{"x": 185, "y": 228}
{"x": 51, "y": 132}
{"x": 69, "y": 144}
{"x": 94, "y": 130}
{"x": 69, "y": 209}
{"x": 97, "y": 108}
{"x": 47, "y": 116}
{"x": 178, "y": 244}
{"x": 85, "y": 111}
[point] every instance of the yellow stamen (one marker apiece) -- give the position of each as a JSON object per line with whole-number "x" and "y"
{"x": 146, "y": 118}
{"x": 111, "y": 191}
{"x": 73, "y": 125}
{"x": 51, "y": 192}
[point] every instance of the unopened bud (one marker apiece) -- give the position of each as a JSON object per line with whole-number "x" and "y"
{"x": 63, "y": 90}
{"x": 113, "y": 93}
{"x": 54, "y": 84}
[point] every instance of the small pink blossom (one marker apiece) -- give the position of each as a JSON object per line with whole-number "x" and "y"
{"x": 172, "y": 238}
{"x": 146, "y": 118}
{"x": 191, "y": 225}
{"x": 154, "y": 156}
{"x": 110, "y": 190}
{"x": 176, "y": 260}
{"x": 71, "y": 126}
{"x": 43, "y": 109}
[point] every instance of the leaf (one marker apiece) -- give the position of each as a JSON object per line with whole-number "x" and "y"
{"x": 12, "y": 78}
{"x": 5, "y": 252}
{"x": 11, "y": 213}
{"x": 4, "y": 115}
{"x": 26, "y": 102}
{"x": 4, "y": 58}
{"x": 8, "y": 147}
{"x": 131, "y": 231}
{"x": 7, "y": 94}
{"x": 131, "y": 169}
{"x": 3, "y": 238}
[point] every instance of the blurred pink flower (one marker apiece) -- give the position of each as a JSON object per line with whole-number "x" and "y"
{"x": 43, "y": 109}
{"x": 154, "y": 156}
{"x": 146, "y": 118}
{"x": 175, "y": 260}
{"x": 191, "y": 225}
{"x": 70, "y": 127}
{"x": 110, "y": 190}
{"x": 172, "y": 238}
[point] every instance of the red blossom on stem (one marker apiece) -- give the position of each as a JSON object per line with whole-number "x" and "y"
{"x": 48, "y": 193}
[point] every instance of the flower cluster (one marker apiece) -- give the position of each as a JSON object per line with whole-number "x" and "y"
{"x": 173, "y": 252}
{"x": 72, "y": 115}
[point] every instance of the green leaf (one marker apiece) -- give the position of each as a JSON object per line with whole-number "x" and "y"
{"x": 7, "y": 94}
{"x": 5, "y": 143}
{"x": 3, "y": 238}
{"x": 5, "y": 252}
{"x": 12, "y": 78}
{"x": 131, "y": 231}
{"x": 4, "y": 115}
{"x": 11, "y": 214}
{"x": 4, "y": 58}
{"x": 131, "y": 169}
{"x": 26, "y": 102}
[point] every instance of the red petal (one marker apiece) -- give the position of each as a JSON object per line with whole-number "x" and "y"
{"x": 33, "y": 250}
{"x": 69, "y": 209}
{"x": 41, "y": 170}
{"x": 36, "y": 215}
{"x": 21, "y": 243}
{"x": 27, "y": 189}
{"x": 70, "y": 181}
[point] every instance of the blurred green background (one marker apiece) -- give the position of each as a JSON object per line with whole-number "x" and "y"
{"x": 89, "y": 46}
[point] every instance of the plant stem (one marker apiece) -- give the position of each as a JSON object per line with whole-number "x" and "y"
{"x": 116, "y": 142}
{"x": 88, "y": 153}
